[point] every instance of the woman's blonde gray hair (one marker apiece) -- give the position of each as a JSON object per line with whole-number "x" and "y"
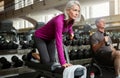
{"x": 69, "y": 5}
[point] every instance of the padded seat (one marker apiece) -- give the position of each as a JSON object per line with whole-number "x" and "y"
{"x": 52, "y": 69}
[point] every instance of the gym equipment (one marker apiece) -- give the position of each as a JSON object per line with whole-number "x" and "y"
{"x": 73, "y": 54}
{"x": 24, "y": 44}
{"x": 4, "y": 45}
{"x": 79, "y": 42}
{"x": 24, "y": 57}
{"x": 51, "y": 70}
{"x": 93, "y": 68}
{"x": 86, "y": 53}
{"x": 66, "y": 39}
{"x": 8, "y": 37}
{"x": 68, "y": 42}
{"x": 80, "y": 54}
{"x": 106, "y": 43}
{"x": 12, "y": 45}
{"x": 76, "y": 35}
{"x": 31, "y": 44}
{"x": 16, "y": 61}
{"x": 4, "y": 63}
{"x": 74, "y": 42}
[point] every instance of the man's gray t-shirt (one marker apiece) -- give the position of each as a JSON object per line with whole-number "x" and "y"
{"x": 97, "y": 37}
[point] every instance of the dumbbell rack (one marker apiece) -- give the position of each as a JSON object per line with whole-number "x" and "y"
{"x": 9, "y": 46}
{"x": 79, "y": 61}
{"x": 4, "y": 52}
{"x": 74, "y": 46}
{"x": 14, "y": 71}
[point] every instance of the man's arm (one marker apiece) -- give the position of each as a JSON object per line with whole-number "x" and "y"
{"x": 95, "y": 47}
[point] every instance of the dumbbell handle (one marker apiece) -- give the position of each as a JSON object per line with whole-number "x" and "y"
{"x": 106, "y": 43}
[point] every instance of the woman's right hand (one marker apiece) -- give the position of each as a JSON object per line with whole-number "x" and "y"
{"x": 66, "y": 65}
{"x": 71, "y": 36}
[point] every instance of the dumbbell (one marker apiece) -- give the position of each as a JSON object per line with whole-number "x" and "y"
{"x": 86, "y": 53}
{"x": 79, "y": 42}
{"x": 4, "y": 63}
{"x": 4, "y": 45}
{"x": 106, "y": 43}
{"x": 24, "y": 44}
{"x": 68, "y": 42}
{"x": 31, "y": 43}
{"x": 16, "y": 61}
{"x": 76, "y": 36}
{"x": 24, "y": 57}
{"x": 2, "y": 40}
{"x": 67, "y": 37}
{"x": 15, "y": 46}
{"x": 86, "y": 41}
{"x": 9, "y": 45}
{"x": 74, "y": 42}
{"x": 80, "y": 54}
{"x": 73, "y": 54}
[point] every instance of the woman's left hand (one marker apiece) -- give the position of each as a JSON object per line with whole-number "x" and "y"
{"x": 71, "y": 36}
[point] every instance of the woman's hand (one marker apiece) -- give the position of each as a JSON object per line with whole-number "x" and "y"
{"x": 71, "y": 36}
{"x": 66, "y": 65}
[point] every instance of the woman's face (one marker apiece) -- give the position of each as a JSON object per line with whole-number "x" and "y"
{"x": 74, "y": 12}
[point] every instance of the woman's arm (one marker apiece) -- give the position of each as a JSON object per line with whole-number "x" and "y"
{"x": 59, "y": 41}
{"x": 71, "y": 33}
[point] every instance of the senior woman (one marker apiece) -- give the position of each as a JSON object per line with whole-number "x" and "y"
{"x": 49, "y": 36}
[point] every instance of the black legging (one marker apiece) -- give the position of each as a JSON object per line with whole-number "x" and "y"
{"x": 46, "y": 50}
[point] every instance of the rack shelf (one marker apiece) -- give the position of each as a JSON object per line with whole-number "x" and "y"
{"x": 16, "y": 51}
{"x": 14, "y": 71}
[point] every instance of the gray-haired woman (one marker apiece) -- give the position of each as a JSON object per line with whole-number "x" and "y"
{"x": 50, "y": 35}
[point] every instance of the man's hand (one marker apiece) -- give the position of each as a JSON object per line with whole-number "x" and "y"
{"x": 106, "y": 38}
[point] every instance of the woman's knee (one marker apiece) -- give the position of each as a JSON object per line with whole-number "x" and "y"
{"x": 45, "y": 61}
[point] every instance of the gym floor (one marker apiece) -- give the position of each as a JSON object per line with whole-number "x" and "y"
{"x": 107, "y": 73}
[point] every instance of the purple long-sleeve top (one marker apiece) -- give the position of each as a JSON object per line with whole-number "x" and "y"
{"x": 54, "y": 30}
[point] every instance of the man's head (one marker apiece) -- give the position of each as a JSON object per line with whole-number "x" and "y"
{"x": 100, "y": 23}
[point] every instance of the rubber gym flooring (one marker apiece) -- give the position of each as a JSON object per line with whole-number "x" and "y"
{"x": 107, "y": 73}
